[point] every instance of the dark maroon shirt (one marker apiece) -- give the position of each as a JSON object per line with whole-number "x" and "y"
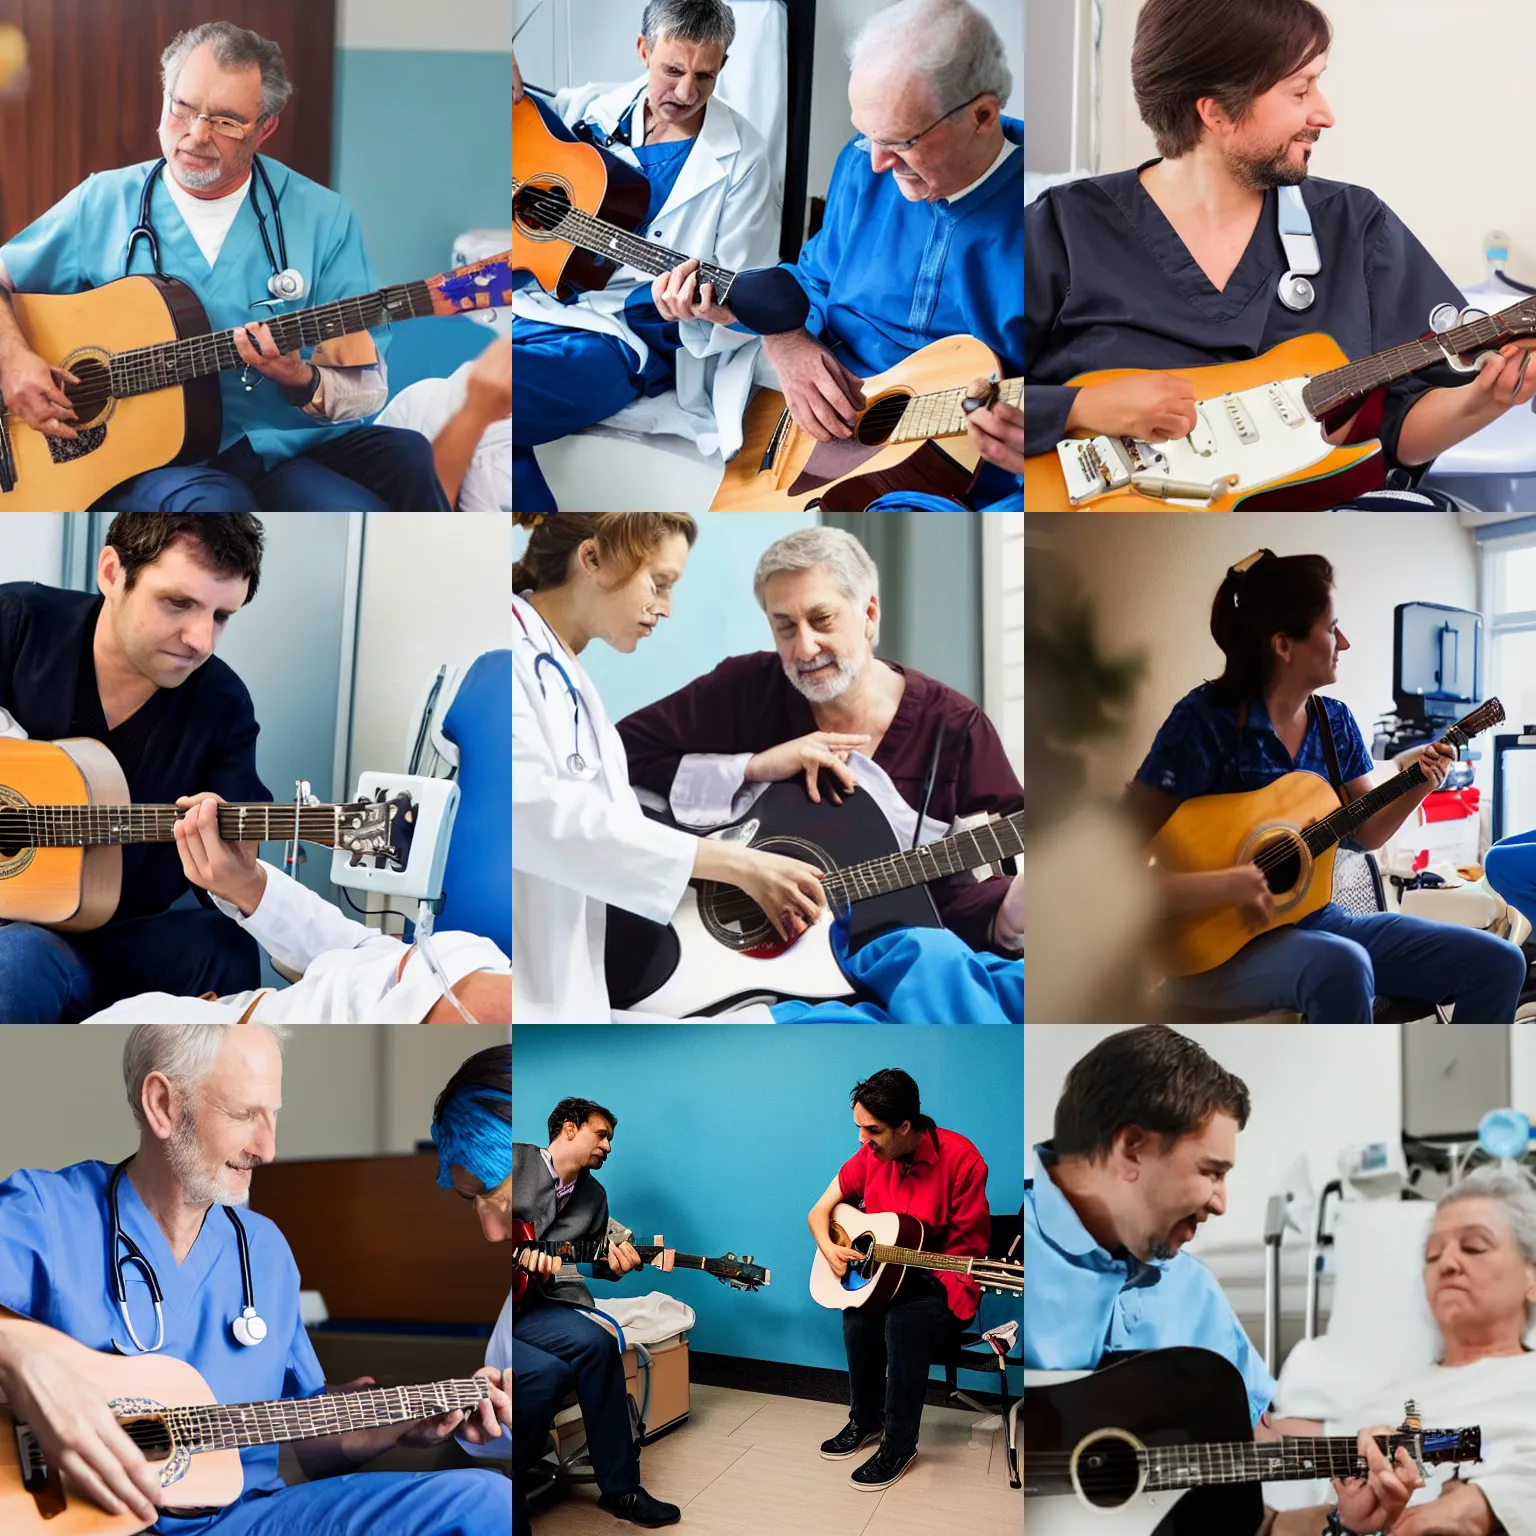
{"x": 747, "y": 705}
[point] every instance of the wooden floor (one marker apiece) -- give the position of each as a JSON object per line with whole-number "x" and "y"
{"x": 746, "y": 1464}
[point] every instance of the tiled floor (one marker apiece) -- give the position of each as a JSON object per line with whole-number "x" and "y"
{"x": 746, "y": 1464}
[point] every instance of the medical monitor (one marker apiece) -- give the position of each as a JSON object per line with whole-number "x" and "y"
{"x": 1437, "y": 661}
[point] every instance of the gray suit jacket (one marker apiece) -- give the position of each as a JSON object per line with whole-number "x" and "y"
{"x": 585, "y": 1215}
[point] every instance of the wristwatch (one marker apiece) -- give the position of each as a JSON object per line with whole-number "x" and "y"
{"x": 301, "y": 394}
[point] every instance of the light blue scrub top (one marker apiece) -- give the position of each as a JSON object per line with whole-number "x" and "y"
{"x": 55, "y": 1269}
{"x": 1081, "y": 1302}
{"x": 82, "y": 242}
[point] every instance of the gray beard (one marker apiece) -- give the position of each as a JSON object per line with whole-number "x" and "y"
{"x": 197, "y": 181}
{"x": 201, "y": 1185}
{"x": 828, "y": 689}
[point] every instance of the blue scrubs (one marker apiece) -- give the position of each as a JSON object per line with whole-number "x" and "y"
{"x": 82, "y": 242}
{"x": 1083, "y": 1302}
{"x": 55, "y": 1269}
{"x": 564, "y": 380}
{"x": 1109, "y": 284}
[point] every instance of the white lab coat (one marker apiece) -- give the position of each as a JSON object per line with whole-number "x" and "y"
{"x": 724, "y": 207}
{"x": 577, "y": 844}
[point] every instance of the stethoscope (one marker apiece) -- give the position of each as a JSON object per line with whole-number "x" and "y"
{"x": 248, "y": 1328}
{"x": 576, "y": 764}
{"x": 1302, "y": 257}
{"x": 620, "y": 134}
{"x": 285, "y": 283}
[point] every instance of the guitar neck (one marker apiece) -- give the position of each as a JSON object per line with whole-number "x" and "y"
{"x": 591, "y": 1250}
{"x": 84, "y": 826}
{"x": 1290, "y": 1459}
{"x": 951, "y": 1263}
{"x": 942, "y": 414}
{"x": 999, "y": 839}
{"x": 231, "y": 1427}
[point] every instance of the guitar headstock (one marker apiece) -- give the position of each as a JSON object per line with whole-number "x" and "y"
{"x": 995, "y": 1275}
{"x": 740, "y": 1274}
{"x": 1481, "y": 719}
{"x": 479, "y": 285}
{"x": 1519, "y": 319}
{"x": 378, "y": 829}
{"x": 1442, "y": 1447}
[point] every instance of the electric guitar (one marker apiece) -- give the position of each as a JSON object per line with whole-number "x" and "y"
{"x": 575, "y": 210}
{"x": 720, "y": 951}
{"x": 191, "y": 1441}
{"x": 65, "y": 816}
{"x": 147, "y": 363}
{"x": 910, "y": 436}
{"x": 740, "y": 1274}
{"x": 1162, "y": 1445}
{"x": 1258, "y": 442}
{"x": 1291, "y": 830}
{"x": 892, "y": 1243}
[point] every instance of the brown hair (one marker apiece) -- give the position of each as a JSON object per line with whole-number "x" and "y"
{"x": 623, "y": 541}
{"x": 1259, "y": 598}
{"x": 1152, "y": 1077}
{"x": 226, "y": 543}
{"x": 1231, "y": 50}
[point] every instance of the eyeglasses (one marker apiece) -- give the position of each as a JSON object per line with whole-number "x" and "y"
{"x": 865, "y": 143}
{"x": 228, "y": 127}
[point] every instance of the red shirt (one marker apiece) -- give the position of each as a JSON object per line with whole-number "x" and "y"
{"x": 945, "y": 1187}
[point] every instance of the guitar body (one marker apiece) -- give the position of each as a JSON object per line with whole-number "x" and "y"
{"x": 1169, "y": 1397}
{"x": 1281, "y": 465}
{"x": 550, "y": 163}
{"x": 1218, "y": 831}
{"x": 71, "y": 889}
{"x": 117, "y": 438}
{"x": 211, "y": 1479}
{"x": 871, "y": 1285}
{"x": 709, "y": 959}
{"x": 847, "y": 475}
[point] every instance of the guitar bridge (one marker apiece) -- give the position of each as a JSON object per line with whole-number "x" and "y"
{"x": 7, "y": 455}
{"x": 1093, "y": 467}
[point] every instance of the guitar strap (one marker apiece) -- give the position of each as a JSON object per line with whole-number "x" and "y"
{"x": 1330, "y": 752}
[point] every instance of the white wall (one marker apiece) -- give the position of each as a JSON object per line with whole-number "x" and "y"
{"x": 1153, "y": 581}
{"x": 474, "y": 26}
{"x": 1442, "y": 171}
{"x": 31, "y": 546}
{"x": 1003, "y": 636}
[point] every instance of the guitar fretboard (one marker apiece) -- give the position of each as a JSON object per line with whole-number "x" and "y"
{"x": 1271, "y": 1461}
{"x": 941, "y": 414}
{"x": 985, "y": 1270}
{"x": 589, "y": 1250}
{"x": 995, "y": 840}
{"x": 79, "y": 826}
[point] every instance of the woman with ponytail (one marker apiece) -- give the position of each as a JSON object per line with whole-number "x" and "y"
{"x": 580, "y": 842}
{"x": 1273, "y": 619}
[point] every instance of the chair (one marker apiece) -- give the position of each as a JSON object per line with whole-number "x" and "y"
{"x": 1005, "y": 1242}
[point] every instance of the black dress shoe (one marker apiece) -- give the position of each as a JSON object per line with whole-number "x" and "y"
{"x": 882, "y": 1469}
{"x": 848, "y": 1441}
{"x": 638, "y": 1507}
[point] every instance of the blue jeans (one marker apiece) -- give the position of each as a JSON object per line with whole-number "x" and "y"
{"x": 1511, "y": 870}
{"x": 365, "y": 469}
{"x": 54, "y": 978}
{"x": 472, "y": 1502}
{"x": 1331, "y": 965}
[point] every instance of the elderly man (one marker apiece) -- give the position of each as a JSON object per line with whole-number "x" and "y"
{"x": 250, "y": 246}
{"x": 818, "y": 698}
{"x": 194, "y": 1283}
{"x": 712, "y": 195}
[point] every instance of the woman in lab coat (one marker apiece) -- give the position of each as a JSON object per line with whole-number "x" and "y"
{"x": 580, "y": 841}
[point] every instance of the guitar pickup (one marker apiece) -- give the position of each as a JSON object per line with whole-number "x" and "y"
{"x": 1093, "y": 467}
{"x": 1287, "y": 407}
{"x": 1239, "y": 419}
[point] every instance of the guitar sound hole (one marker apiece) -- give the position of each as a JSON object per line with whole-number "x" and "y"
{"x": 541, "y": 207}
{"x": 1282, "y": 867}
{"x": 1107, "y": 1471}
{"x": 879, "y": 421}
{"x": 9, "y": 850}
{"x": 92, "y": 396}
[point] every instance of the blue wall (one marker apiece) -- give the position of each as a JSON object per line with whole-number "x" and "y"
{"x": 422, "y": 149}
{"x": 728, "y": 1134}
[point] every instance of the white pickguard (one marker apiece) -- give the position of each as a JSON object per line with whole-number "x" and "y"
{"x": 708, "y": 971}
{"x": 1262, "y": 436}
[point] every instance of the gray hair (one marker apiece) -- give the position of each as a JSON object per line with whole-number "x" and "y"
{"x": 183, "y": 1053}
{"x": 694, "y": 21}
{"x": 949, "y": 42}
{"x": 1513, "y": 1189}
{"x": 233, "y": 48}
{"x": 841, "y": 553}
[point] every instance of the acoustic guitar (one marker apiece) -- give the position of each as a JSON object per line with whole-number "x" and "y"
{"x": 720, "y": 951}
{"x": 575, "y": 212}
{"x": 65, "y": 816}
{"x": 910, "y": 436}
{"x": 892, "y": 1243}
{"x": 1259, "y": 441}
{"x": 1291, "y": 830}
{"x": 1162, "y": 1445}
{"x": 147, "y": 363}
{"x": 740, "y": 1274}
{"x": 191, "y": 1441}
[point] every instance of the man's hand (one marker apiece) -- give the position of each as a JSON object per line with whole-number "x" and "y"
{"x": 35, "y": 392}
{"x": 838, "y": 1259}
{"x": 258, "y": 350}
{"x": 1436, "y": 759}
{"x": 481, "y": 1425}
{"x": 537, "y": 1263}
{"x": 226, "y": 870}
{"x": 1375, "y": 1502}
{"x": 674, "y": 295}
{"x": 1508, "y": 379}
{"x": 489, "y": 393}
{"x": 808, "y": 755}
{"x": 1461, "y": 1510}
{"x": 1010, "y": 914}
{"x": 1153, "y": 407}
{"x": 622, "y": 1258}
{"x": 1246, "y": 889}
{"x": 824, "y": 398}
{"x": 997, "y": 431}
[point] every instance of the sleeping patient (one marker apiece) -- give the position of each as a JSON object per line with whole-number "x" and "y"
{"x": 1480, "y": 1280}
{"x": 353, "y": 974}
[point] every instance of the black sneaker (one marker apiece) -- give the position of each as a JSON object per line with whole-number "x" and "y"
{"x": 848, "y": 1441}
{"x": 882, "y": 1469}
{"x": 638, "y": 1507}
